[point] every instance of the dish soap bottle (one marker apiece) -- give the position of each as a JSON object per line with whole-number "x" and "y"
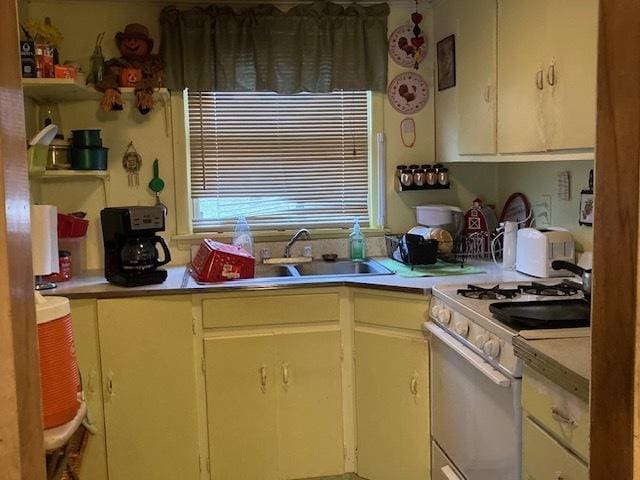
{"x": 242, "y": 235}
{"x": 356, "y": 242}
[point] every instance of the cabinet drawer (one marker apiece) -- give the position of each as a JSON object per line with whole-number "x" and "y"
{"x": 254, "y": 310}
{"x": 391, "y": 309}
{"x": 561, "y": 413}
{"x": 544, "y": 458}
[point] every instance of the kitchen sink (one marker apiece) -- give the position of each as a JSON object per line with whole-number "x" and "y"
{"x": 322, "y": 269}
{"x": 268, "y": 271}
{"x": 342, "y": 267}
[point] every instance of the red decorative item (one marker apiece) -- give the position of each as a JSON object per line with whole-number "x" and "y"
{"x": 217, "y": 262}
{"x": 71, "y": 227}
{"x": 475, "y": 223}
{"x": 417, "y": 42}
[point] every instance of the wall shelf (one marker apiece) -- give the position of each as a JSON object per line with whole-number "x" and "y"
{"x": 60, "y": 90}
{"x": 71, "y": 174}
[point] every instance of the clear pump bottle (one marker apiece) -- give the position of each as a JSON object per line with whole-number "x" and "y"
{"x": 356, "y": 242}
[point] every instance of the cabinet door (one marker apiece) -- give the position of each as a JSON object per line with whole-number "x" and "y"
{"x": 476, "y": 53}
{"x": 85, "y": 335}
{"x": 521, "y": 67}
{"x": 148, "y": 367}
{"x": 570, "y": 76}
{"x": 241, "y": 404}
{"x": 392, "y": 405}
{"x": 310, "y": 435}
{"x": 545, "y": 458}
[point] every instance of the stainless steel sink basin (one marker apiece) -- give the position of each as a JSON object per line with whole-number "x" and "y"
{"x": 268, "y": 271}
{"x": 322, "y": 269}
{"x": 341, "y": 267}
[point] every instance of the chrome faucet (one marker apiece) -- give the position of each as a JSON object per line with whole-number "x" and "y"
{"x": 302, "y": 233}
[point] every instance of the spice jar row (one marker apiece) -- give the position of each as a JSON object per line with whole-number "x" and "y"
{"x": 422, "y": 177}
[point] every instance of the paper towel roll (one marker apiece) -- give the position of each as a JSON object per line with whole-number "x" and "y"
{"x": 44, "y": 239}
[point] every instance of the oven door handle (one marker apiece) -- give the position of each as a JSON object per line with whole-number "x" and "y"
{"x": 470, "y": 356}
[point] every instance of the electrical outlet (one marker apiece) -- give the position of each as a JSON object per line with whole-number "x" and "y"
{"x": 542, "y": 209}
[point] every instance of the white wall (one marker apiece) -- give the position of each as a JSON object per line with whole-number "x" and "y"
{"x": 80, "y": 22}
{"x": 537, "y": 179}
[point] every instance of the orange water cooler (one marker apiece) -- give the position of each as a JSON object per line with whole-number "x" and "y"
{"x": 59, "y": 377}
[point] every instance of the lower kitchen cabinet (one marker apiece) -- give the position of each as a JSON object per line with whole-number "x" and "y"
{"x": 148, "y": 372}
{"x": 85, "y": 331}
{"x": 274, "y": 404}
{"x": 545, "y": 458}
{"x": 392, "y": 404}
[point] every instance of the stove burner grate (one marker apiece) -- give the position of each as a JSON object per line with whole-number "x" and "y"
{"x": 493, "y": 293}
{"x": 558, "y": 290}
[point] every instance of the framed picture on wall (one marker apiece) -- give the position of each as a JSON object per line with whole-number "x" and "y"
{"x": 446, "y": 51}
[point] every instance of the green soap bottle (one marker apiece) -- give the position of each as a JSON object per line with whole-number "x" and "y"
{"x": 356, "y": 242}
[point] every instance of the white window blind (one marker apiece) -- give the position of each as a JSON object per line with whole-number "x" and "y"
{"x": 282, "y": 161}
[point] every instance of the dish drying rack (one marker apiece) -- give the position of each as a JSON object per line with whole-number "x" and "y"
{"x": 476, "y": 246}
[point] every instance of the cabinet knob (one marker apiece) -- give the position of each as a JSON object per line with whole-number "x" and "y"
{"x": 263, "y": 379}
{"x": 561, "y": 417}
{"x": 413, "y": 385}
{"x": 285, "y": 374}
{"x": 540, "y": 79}
{"x": 551, "y": 75}
{"x": 559, "y": 476}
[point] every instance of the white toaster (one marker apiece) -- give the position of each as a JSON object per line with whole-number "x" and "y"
{"x": 536, "y": 249}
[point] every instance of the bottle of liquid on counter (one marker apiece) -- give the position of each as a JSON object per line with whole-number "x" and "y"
{"x": 356, "y": 242}
{"x": 509, "y": 246}
{"x": 242, "y": 235}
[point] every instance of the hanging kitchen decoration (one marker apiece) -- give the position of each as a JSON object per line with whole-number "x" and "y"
{"x": 408, "y": 132}
{"x": 156, "y": 185}
{"x": 408, "y": 93}
{"x": 402, "y": 47}
{"x": 587, "y": 205}
{"x": 132, "y": 162}
{"x": 407, "y": 45}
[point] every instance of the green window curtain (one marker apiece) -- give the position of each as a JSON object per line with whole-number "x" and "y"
{"x": 319, "y": 47}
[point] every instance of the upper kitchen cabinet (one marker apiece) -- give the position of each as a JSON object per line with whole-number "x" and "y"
{"x": 476, "y": 47}
{"x": 546, "y": 75}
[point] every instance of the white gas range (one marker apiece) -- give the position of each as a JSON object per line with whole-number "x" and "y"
{"x": 475, "y": 375}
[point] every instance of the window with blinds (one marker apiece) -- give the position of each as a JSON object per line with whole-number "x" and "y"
{"x": 282, "y": 161}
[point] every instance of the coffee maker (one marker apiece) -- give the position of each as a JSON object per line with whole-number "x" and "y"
{"x": 130, "y": 254}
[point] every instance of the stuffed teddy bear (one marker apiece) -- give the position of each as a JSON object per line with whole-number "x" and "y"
{"x": 137, "y": 67}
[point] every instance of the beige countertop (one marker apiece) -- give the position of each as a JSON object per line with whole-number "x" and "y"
{"x": 565, "y": 361}
{"x": 92, "y": 284}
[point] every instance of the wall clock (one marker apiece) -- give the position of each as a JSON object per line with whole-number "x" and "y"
{"x": 408, "y": 93}
{"x": 405, "y": 49}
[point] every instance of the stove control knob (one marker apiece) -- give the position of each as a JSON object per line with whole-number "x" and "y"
{"x": 480, "y": 340}
{"x": 461, "y": 327}
{"x": 443, "y": 315}
{"x": 492, "y": 348}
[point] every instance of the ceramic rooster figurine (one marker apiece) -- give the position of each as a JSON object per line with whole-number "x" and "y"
{"x": 136, "y": 67}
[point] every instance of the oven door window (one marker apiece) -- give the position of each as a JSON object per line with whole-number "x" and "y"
{"x": 475, "y": 421}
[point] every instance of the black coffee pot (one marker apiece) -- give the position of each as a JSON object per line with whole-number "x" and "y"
{"x": 141, "y": 254}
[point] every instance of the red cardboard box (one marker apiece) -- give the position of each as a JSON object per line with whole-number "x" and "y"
{"x": 217, "y": 262}
{"x": 64, "y": 71}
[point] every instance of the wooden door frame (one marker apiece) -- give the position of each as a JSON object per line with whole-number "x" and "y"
{"x": 614, "y": 371}
{"x": 21, "y": 442}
